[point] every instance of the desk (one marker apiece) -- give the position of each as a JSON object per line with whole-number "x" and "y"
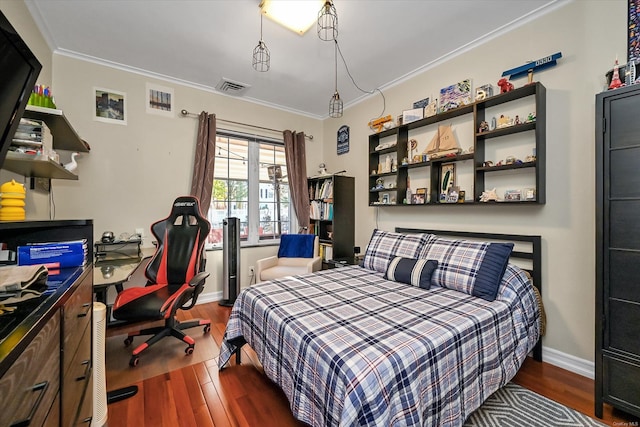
{"x": 108, "y": 273}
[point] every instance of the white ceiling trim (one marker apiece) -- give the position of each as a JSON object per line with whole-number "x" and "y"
{"x": 533, "y": 15}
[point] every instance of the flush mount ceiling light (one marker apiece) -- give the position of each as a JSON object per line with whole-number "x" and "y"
{"x": 298, "y": 16}
{"x": 261, "y": 54}
{"x": 328, "y": 22}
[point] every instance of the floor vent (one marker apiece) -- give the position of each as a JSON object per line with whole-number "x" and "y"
{"x": 232, "y": 88}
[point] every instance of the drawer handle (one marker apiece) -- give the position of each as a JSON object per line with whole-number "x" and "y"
{"x": 42, "y": 388}
{"x": 87, "y": 369}
{"x": 86, "y": 305}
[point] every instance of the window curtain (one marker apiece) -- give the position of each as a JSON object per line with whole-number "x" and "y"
{"x": 295, "y": 154}
{"x": 204, "y": 161}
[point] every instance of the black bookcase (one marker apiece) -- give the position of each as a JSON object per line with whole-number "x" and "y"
{"x": 332, "y": 216}
{"x": 533, "y": 131}
{"x": 618, "y": 250}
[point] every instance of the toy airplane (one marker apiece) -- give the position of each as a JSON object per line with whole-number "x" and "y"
{"x": 378, "y": 124}
{"x": 531, "y": 66}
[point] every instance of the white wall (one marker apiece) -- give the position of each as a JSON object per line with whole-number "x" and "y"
{"x": 133, "y": 172}
{"x": 589, "y": 34}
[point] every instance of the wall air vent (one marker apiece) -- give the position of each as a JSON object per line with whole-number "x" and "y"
{"x": 232, "y": 88}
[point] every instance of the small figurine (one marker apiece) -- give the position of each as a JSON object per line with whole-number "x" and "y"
{"x": 489, "y": 196}
{"x": 615, "y": 79}
{"x": 517, "y": 120}
{"x": 505, "y": 85}
{"x": 531, "y": 118}
{"x": 493, "y": 124}
{"x": 484, "y": 126}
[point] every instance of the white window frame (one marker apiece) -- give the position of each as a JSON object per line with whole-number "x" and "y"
{"x": 253, "y": 178}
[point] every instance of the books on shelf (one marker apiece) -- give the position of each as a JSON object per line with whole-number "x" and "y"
{"x": 321, "y": 190}
{"x": 325, "y": 251}
{"x": 54, "y": 254}
{"x": 32, "y": 136}
{"x": 321, "y": 210}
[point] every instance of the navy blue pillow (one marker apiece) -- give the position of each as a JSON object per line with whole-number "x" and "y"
{"x": 415, "y": 272}
{"x": 296, "y": 246}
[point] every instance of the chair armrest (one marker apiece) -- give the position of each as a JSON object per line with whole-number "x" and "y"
{"x": 200, "y": 277}
{"x": 315, "y": 264}
{"x": 263, "y": 264}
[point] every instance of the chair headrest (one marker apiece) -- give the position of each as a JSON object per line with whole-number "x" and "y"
{"x": 186, "y": 205}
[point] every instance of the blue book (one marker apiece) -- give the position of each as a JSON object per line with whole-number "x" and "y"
{"x": 54, "y": 254}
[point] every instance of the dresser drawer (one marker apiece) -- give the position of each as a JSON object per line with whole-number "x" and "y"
{"x": 30, "y": 385}
{"x": 76, "y": 379}
{"x": 622, "y": 385}
{"x": 85, "y": 416}
{"x": 77, "y": 316}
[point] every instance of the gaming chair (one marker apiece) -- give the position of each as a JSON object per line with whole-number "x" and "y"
{"x": 175, "y": 277}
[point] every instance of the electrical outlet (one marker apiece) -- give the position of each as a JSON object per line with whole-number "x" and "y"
{"x": 251, "y": 271}
{"x": 140, "y": 231}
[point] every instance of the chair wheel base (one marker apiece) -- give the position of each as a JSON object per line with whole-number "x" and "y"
{"x": 128, "y": 341}
{"x": 189, "y": 350}
{"x": 206, "y": 329}
{"x": 133, "y": 362}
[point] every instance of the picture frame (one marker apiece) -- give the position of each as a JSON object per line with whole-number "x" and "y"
{"x": 512, "y": 195}
{"x": 447, "y": 177}
{"x": 431, "y": 109}
{"x": 412, "y": 115}
{"x": 455, "y": 96}
{"x": 421, "y": 104}
{"x": 453, "y": 194}
{"x": 110, "y": 106}
{"x": 160, "y": 100}
{"x": 633, "y": 31}
{"x": 417, "y": 199}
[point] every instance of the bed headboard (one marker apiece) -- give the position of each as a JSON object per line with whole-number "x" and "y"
{"x": 526, "y": 248}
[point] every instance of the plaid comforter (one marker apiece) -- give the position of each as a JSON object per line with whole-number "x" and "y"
{"x": 350, "y": 348}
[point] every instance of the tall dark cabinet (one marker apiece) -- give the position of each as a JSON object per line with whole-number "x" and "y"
{"x": 618, "y": 250}
{"x": 332, "y": 214}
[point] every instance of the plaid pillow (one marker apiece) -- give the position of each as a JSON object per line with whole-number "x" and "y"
{"x": 414, "y": 272}
{"x": 386, "y": 245}
{"x": 475, "y": 268}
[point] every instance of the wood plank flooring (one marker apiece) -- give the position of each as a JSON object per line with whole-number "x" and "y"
{"x": 199, "y": 396}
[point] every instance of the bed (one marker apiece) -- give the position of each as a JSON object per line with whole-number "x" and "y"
{"x": 410, "y": 337}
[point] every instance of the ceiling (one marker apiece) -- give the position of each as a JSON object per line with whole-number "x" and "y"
{"x": 200, "y": 42}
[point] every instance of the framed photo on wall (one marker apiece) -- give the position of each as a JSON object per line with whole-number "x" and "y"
{"x": 447, "y": 177}
{"x": 110, "y": 106}
{"x": 160, "y": 100}
{"x": 633, "y": 53}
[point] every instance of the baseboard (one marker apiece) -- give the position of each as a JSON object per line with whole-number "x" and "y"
{"x": 209, "y": 297}
{"x": 557, "y": 358}
{"x": 571, "y": 363}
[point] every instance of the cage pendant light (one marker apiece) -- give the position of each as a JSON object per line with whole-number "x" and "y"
{"x": 328, "y": 22}
{"x": 261, "y": 55}
{"x": 335, "y": 105}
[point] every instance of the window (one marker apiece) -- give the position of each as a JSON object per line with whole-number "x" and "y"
{"x": 250, "y": 183}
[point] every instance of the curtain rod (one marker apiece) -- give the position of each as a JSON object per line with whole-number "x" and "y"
{"x": 186, "y": 113}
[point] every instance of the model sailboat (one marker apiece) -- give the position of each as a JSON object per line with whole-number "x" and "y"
{"x": 443, "y": 143}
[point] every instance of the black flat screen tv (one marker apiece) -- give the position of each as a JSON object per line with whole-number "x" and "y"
{"x": 19, "y": 69}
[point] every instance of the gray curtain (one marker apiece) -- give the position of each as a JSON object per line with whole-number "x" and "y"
{"x": 295, "y": 154}
{"x": 204, "y": 161}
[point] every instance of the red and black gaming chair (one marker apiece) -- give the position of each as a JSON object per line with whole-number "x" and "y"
{"x": 175, "y": 277}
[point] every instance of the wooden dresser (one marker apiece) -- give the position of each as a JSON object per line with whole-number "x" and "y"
{"x": 46, "y": 344}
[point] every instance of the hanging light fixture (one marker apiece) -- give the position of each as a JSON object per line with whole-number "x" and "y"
{"x": 261, "y": 55}
{"x": 335, "y": 105}
{"x": 328, "y": 22}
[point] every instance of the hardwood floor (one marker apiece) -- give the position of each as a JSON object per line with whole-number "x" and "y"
{"x": 200, "y": 396}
